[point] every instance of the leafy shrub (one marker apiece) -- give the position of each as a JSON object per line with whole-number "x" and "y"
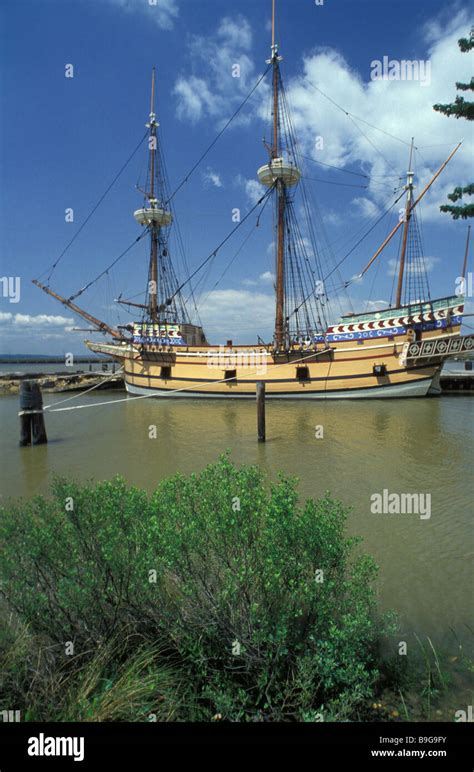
{"x": 257, "y": 601}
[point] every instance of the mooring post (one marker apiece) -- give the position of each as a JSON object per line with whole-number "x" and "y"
{"x": 25, "y": 416}
{"x": 261, "y": 411}
{"x": 32, "y": 426}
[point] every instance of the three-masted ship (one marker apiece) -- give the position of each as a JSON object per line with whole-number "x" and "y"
{"x": 395, "y": 352}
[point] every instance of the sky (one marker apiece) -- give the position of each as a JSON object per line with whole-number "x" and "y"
{"x": 63, "y": 140}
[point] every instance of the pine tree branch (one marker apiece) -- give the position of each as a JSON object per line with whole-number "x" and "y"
{"x": 466, "y": 86}
{"x": 457, "y": 193}
{"x": 460, "y": 109}
{"x": 457, "y": 212}
{"x": 466, "y": 44}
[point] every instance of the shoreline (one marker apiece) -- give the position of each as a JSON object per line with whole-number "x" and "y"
{"x": 60, "y": 382}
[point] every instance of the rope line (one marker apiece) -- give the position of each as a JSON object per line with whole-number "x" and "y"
{"x": 81, "y": 394}
{"x": 216, "y": 250}
{"x": 337, "y": 266}
{"x": 54, "y": 265}
{"x": 219, "y": 135}
{"x": 350, "y": 115}
{"x": 106, "y": 270}
{"x": 171, "y": 392}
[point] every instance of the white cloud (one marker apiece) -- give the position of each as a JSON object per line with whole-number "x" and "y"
{"x": 364, "y": 207}
{"x": 40, "y": 320}
{"x": 332, "y": 218}
{"x": 195, "y": 99}
{"x": 444, "y": 24}
{"x": 426, "y": 263}
{"x": 400, "y": 108}
{"x": 265, "y": 278}
{"x": 238, "y": 314}
{"x": 221, "y": 75}
{"x": 210, "y": 177}
{"x": 375, "y": 305}
{"x": 162, "y": 12}
{"x": 235, "y": 32}
{"x": 346, "y": 304}
{"x": 249, "y": 282}
{"x": 253, "y": 189}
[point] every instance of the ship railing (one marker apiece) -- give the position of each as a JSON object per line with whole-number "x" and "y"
{"x": 439, "y": 347}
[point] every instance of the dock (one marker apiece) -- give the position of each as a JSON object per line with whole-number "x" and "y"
{"x": 459, "y": 383}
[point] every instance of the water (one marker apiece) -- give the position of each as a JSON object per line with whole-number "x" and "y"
{"x": 405, "y": 446}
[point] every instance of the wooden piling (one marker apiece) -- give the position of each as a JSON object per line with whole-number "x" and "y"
{"x": 32, "y": 426}
{"x": 25, "y": 429}
{"x": 261, "y": 411}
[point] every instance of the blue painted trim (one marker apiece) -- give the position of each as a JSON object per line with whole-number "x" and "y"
{"x": 336, "y": 337}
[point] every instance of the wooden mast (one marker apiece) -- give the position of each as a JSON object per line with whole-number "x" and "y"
{"x": 408, "y": 209}
{"x": 275, "y": 87}
{"x": 102, "y": 326}
{"x": 153, "y": 286}
{"x": 400, "y": 223}
{"x": 281, "y": 202}
{"x": 464, "y": 265}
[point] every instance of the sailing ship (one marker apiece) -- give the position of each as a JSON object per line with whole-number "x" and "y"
{"x": 393, "y": 352}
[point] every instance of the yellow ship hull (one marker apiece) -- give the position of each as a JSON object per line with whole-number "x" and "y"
{"x": 345, "y": 371}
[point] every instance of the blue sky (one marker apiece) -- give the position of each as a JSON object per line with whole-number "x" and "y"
{"x": 64, "y": 139}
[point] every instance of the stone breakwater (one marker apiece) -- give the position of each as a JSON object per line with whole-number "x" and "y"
{"x": 60, "y": 382}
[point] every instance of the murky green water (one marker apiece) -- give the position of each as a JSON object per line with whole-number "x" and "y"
{"x": 404, "y": 446}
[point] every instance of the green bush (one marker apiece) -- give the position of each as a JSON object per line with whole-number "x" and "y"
{"x": 258, "y": 603}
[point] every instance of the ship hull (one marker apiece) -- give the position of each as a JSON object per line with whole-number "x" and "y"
{"x": 416, "y": 388}
{"x": 360, "y": 359}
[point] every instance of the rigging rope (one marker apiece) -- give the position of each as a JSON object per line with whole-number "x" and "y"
{"x": 234, "y": 257}
{"x": 345, "y": 184}
{"x": 215, "y": 140}
{"x": 348, "y": 171}
{"x": 54, "y": 265}
{"x": 350, "y": 252}
{"x": 106, "y": 270}
{"x": 371, "y": 143}
{"x": 366, "y": 234}
{"x": 303, "y": 268}
{"x": 216, "y": 250}
{"x": 350, "y": 115}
